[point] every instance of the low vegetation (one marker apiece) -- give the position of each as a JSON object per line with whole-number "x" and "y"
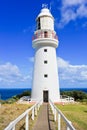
{"x": 16, "y": 98}
{"x": 9, "y": 112}
{"x": 76, "y": 113}
{"x": 77, "y": 95}
{"x": 25, "y": 93}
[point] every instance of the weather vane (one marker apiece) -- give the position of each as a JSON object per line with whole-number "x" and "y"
{"x": 44, "y": 5}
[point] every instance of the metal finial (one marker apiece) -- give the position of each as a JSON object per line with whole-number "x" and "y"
{"x": 44, "y": 5}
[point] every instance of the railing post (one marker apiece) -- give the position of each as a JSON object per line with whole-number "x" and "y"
{"x": 27, "y": 123}
{"x": 35, "y": 110}
{"x": 33, "y": 114}
{"x": 59, "y": 121}
{"x": 52, "y": 108}
{"x": 55, "y": 115}
{"x": 67, "y": 126}
{"x": 13, "y": 128}
{"x": 38, "y": 106}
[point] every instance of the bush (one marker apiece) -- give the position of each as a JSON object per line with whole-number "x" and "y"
{"x": 25, "y": 93}
{"x": 77, "y": 95}
{"x": 15, "y": 98}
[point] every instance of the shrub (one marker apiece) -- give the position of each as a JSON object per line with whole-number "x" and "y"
{"x": 77, "y": 95}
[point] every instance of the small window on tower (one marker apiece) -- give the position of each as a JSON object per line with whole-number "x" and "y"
{"x": 38, "y": 24}
{"x": 45, "y": 75}
{"x": 46, "y": 34}
{"x": 45, "y": 62}
{"x": 45, "y": 50}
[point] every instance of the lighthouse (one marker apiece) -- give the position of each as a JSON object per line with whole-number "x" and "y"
{"x": 45, "y": 84}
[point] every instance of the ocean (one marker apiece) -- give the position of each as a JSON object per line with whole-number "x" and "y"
{"x": 7, "y": 93}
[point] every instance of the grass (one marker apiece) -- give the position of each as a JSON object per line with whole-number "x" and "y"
{"x": 9, "y": 112}
{"x": 76, "y": 113}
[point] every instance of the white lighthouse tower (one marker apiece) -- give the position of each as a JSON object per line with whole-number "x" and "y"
{"x": 45, "y": 76}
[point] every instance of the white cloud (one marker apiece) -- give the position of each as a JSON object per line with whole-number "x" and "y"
{"x": 67, "y": 16}
{"x": 9, "y": 69}
{"x": 62, "y": 63}
{"x": 72, "y": 73}
{"x": 67, "y": 3}
{"x": 10, "y": 73}
{"x": 82, "y": 11}
{"x": 71, "y": 10}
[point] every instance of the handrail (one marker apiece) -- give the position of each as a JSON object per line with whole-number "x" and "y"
{"x": 34, "y": 109}
{"x": 60, "y": 115}
{"x": 41, "y": 34}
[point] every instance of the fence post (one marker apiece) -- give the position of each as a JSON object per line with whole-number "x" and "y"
{"x": 35, "y": 110}
{"x": 33, "y": 114}
{"x": 59, "y": 121}
{"x": 68, "y": 126}
{"x": 38, "y": 106}
{"x": 27, "y": 123}
{"x": 55, "y": 115}
{"x": 53, "y": 109}
{"x": 13, "y": 128}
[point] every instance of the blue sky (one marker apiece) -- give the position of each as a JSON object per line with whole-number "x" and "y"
{"x": 17, "y": 25}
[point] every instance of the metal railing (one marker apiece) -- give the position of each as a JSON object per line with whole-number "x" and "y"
{"x": 45, "y": 35}
{"x": 34, "y": 109}
{"x": 58, "y": 115}
{"x": 66, "y": 99}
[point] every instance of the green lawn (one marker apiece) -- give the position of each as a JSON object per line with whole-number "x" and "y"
{"x": 76, "y": 113}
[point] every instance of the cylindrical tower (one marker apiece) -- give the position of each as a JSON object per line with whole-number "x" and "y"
{"x": 45, "y": 75}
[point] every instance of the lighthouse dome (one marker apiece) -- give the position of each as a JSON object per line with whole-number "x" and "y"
{"x": 45, "y": 20}
{"x": 45, "y": 12}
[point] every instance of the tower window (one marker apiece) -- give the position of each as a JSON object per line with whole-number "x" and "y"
{"x": 45, "y": 62}
{"x": 45, "y": 75}
{"x": 38, "y": 24}
{"x": 45, "y": 50}
{"x": 46, "y": 34}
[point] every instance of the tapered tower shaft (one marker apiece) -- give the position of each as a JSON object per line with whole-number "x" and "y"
{"x": 45, "y": 75}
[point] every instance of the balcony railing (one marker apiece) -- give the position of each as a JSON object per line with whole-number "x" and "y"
{"x": 45, "y": 34}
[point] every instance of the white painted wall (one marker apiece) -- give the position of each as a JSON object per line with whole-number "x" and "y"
{"x": 51, "y": 83}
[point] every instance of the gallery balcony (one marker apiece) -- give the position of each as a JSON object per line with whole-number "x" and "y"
{"x": 45, "y": 34}
{"x": 42, "y": 38}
